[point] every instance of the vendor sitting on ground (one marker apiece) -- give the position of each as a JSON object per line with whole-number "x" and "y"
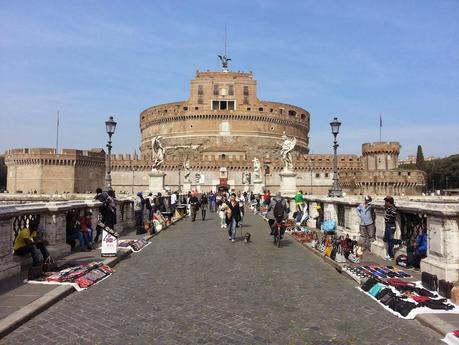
{"x": 418, "y": 250}
{"x": 27, "y": 242}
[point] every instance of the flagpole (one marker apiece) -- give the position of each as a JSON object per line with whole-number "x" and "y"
{"x": 57, "y": 133}
{"x": 380, "y": 126}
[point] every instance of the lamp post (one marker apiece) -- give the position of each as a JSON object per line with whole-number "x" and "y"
{"x": 110, "y": 126}
{"x": 336, "y": 190}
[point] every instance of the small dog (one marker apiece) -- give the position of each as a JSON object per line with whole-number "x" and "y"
{"x": 247, "y": 237}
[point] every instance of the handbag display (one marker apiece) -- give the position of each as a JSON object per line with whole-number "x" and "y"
{"x": 339, "y": 257}
{"x": 49, "y": 265}
{"x": 376, "y": 288}
{"x": 369, "y": 283}
{"x": 429, "y": 281}
{"x": 444, "y": 288}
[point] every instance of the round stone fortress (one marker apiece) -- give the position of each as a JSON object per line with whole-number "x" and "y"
{"x": 223, "y": 114}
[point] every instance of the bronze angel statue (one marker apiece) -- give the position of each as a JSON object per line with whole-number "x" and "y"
{"x": 224, "y": 60}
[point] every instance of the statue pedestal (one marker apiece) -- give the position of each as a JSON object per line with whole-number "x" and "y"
{"x": 258, "y": 186}
{"x": 156, "y": 182}
{"x": 288, "y": 183}
{"x": 186, "y": 187}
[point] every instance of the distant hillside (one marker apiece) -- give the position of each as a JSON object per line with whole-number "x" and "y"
{"x": 441, "y": 173}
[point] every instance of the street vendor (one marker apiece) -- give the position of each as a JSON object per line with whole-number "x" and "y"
{"x": 27, "y": 242}
{"x": 417, "y": 250}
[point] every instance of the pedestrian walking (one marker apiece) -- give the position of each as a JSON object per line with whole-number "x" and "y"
{"x": 194, "y": 205}
{"x": 203, "y": 203}
{"x": 139, "y": 203}
{"x": 367, "y": 226}
{"x": 174, "y": 197}
{"x": 233, "y": 216}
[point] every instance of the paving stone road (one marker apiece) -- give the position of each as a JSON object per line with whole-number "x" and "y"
{"x": 193, "y": 286}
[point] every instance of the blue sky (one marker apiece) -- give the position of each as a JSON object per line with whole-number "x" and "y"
{"x": 351, "y": 59}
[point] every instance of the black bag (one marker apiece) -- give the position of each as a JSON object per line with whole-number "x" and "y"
{"x": 444, "y": 288}
{"x": 405, "y": 307}
{"x": 35, "y": 272}
{"x": 369, "y": 284}
{"x": 278, "y": 211}
{"x": 382, "y": 293}
{"x": 49, "y": 265}
{"x": 429, "y": 281}
{"x": 333, "y": 252}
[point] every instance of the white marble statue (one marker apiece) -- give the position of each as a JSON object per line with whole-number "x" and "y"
{"x": 186, "y": 167}
{"x": 158, "y": 152}
{"x": 256, "y": 168}
{"x": 287, "y": 145}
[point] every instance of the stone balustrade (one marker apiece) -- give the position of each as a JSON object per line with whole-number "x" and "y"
{"x": 53, "y": 217}
{"x": 439, "y": 216}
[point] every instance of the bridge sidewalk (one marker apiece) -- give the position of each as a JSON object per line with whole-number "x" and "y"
{"x": 20, "y": 301}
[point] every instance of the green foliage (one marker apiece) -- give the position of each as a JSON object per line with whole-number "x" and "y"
{"x": 443, "y": 173}
{"x": 420, "y": 159}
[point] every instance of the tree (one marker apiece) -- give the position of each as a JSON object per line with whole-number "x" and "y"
{"x": 2, "y": 173}
{"x": 420, "y": 165}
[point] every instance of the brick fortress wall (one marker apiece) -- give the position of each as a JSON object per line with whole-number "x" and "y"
{"x": 42, "y": 170}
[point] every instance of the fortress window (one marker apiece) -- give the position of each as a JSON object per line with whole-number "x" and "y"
{"x": 281, "y": 110}
{"x": 248, "y": 109}
{"x": 317, "y": 175}
{"x": 260, "y": 109}
{"x": 326, "y": 174}
{"x": 292, "y": 113}
{"x": 230, "y": 105}
{"x": 246, "y": 90}
{"x": 223, "y": 157}
{"x": 215, "y": 90}
{"x": 196, "y": 108}
{"x": 231, "y": 90}
{"x": 246, "y": 99}
{"x": 215, "y": 105}
{"x": 200, "y": 90}
{"x": 185, "y": 108}
{"x": 303, "y": 116}
{"x": 223, "y": 105}
{"x": 271, "y": 110}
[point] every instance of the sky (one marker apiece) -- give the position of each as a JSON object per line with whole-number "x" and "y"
{"x": 351, "y": 59}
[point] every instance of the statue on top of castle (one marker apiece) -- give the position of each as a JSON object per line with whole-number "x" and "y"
{"x": 158, "y": 152}
{"x": 186, "y": 167}
{"x": 256, "y": 168}
{"x": 224, "y": 60}
{"x": 287, "y": 145}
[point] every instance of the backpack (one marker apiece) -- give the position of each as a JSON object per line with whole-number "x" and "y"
{"x": 279, "y": 209}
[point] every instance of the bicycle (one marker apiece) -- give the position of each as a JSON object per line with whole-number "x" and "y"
{"x": 279, "y": 227}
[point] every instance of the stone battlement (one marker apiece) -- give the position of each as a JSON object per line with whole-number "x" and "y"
{"x": 381, "y": 147}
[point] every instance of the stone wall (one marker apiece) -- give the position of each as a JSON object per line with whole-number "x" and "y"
{"x": 41, "y": 170}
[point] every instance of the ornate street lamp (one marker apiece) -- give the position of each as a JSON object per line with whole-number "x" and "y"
{"x": 336, "y": 190}
{"x": 110, "y": 126}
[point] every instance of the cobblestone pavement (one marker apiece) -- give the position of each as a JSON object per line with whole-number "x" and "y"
{"x": 193, "y": 286}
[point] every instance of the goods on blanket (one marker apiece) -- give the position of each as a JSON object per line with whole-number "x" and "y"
{"x": 444, "y": 288}
{"x": 378, "y": 271}
{"x": 328, "y": 226}
{"x": 402, "y": 260}
{"x": 136, "y": 245}
{"x": 402, "y": 302}
{"x": 429, "y": 281}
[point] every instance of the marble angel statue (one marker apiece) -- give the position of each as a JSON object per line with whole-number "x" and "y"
{"x": 256, "y": 168}
{"x": 158, "y": 152}
{"x": 186, "y": 167}
{"x": 287, "y": 145}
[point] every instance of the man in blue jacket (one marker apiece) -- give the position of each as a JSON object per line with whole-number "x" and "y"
{"x": 418, "y": 250}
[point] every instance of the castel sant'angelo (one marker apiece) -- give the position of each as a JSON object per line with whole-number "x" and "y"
{"x": 210, "y": 142}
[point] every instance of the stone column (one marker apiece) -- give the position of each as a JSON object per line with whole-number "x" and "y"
{"x": 55, "y": 224}
{"x": 258, "y": 186}
{"x": 378, "y": 246}
{"x": 8, "y": 267}
{"x": 287, "y": 183}
{"x": 156, "y": 181}
{"x": 443, "y": 243}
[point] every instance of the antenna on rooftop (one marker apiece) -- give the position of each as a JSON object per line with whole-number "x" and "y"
{"x": 224, "y": 59}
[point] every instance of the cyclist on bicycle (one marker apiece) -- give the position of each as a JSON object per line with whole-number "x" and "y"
{"x": 204, "y": 202}
{"x": 278, "y": 211}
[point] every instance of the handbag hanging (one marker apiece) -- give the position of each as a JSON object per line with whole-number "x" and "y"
{"x": 429, "y": 281}
{"x": 444, "y": 288}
